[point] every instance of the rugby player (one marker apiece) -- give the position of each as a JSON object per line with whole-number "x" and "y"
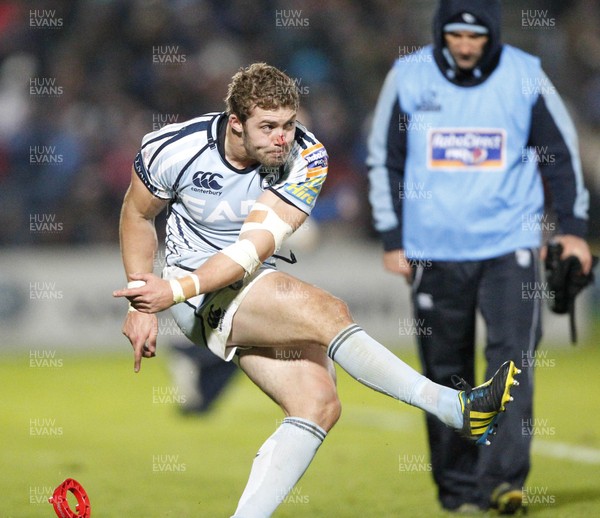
{"x": 235, "y": 185}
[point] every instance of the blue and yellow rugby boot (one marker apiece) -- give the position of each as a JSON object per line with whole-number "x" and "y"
{"x": 482, "y": 405}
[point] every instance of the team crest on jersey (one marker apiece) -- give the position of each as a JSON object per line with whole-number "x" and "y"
{"x": 270, "y": 175}
{"x": 465, "y": 148}
{"x": 429, "y": 102}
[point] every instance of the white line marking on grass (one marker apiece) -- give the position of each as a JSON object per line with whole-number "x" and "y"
{"x": 563, "y": 450}
{"x": 385, "y": 420}
{"x": 402, "y": 421}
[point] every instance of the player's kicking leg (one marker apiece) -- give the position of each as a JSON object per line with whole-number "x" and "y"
{"x": 281, "y": 311}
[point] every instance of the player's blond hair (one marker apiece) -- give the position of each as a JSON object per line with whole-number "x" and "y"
{"x": 260, "y": 85}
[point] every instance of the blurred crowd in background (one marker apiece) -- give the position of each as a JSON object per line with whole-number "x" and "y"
{"x": 81, "y": 82}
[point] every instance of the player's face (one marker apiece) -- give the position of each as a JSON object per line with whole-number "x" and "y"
{"x": 466, "y": 47}
{"x": 269, "y": 134}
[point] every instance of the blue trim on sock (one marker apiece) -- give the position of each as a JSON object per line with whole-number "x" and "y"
{"x": 340, "y": 338}
{"x": 307, "y": 426}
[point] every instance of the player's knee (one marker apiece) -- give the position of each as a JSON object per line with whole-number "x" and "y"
{"x": 327, "y": 410}
{"x": 334, "y": 315}
{"x": 320, "y": 405}
{"x": 340, "y": 310}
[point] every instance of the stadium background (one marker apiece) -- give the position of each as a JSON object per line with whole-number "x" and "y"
{"x": 82, "y": 81}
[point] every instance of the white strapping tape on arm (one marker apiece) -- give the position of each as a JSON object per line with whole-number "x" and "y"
{"x": 177, "y": 289}
{"x": 134, "y": 284}
{"x": 272, "y": 223}
{"x": 244, "y": 253}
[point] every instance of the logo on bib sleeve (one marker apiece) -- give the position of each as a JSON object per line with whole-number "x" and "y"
{"x": 464, "y": 149}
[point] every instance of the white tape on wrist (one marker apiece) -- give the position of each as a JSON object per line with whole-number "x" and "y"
{"x": 244, "y": 253}
{"x": 196, "y": 280}
{"x": 177, "y": 289}
{"x": 134, "y": 284}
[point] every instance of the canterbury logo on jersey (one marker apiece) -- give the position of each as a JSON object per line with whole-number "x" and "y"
{"x": 214, "y": 317}
{"x": 270, "y": 175}
{"x": 461, "y": 148}
{"x": 207, "y": 183}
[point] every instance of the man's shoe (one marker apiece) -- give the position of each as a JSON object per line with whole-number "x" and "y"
{"x": 481, "y": 405}
{"x": 507, "y": 499}
{"x": 468, "y": 509}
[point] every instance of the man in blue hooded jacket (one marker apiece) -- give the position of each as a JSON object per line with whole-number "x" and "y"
{"x": 462, "y": 130}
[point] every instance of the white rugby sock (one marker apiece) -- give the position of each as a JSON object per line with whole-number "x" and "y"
{"x": 278, "y": 465}
{"x": 369, "y": 362}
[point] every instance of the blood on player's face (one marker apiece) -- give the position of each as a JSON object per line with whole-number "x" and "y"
{"x": 466, "y": 47}
{"x": 269, "y": 134}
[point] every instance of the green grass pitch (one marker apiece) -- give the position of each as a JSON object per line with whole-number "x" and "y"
{"x": 89, "y": 417}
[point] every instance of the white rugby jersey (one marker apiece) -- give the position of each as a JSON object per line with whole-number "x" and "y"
{"x": 209, "y": 198}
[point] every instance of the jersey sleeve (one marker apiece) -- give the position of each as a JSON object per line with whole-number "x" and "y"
{"x": 307, "y": 172}
{"x": 152, "y": 165}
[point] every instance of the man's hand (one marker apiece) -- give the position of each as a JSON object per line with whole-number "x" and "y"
{"x": 141, "y": 329}
{"x": 576, "y": 246}
{"x": 156, "y": 295}
{"x": 396, "y": 262}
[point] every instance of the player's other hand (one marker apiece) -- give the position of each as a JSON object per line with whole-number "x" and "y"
{"x": 141, "y": 329}
{"x": 153, "y": 297}
{"x": 395, "y": 261}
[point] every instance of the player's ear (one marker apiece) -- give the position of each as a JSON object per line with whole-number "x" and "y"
{"x": 236, "y": 123}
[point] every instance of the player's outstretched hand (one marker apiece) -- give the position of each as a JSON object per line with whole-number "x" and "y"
{"x": 153, "y": 297}
{"x": 141, "y": 329}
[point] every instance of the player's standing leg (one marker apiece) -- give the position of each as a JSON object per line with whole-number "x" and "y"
{"x": 302, "y": 382}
